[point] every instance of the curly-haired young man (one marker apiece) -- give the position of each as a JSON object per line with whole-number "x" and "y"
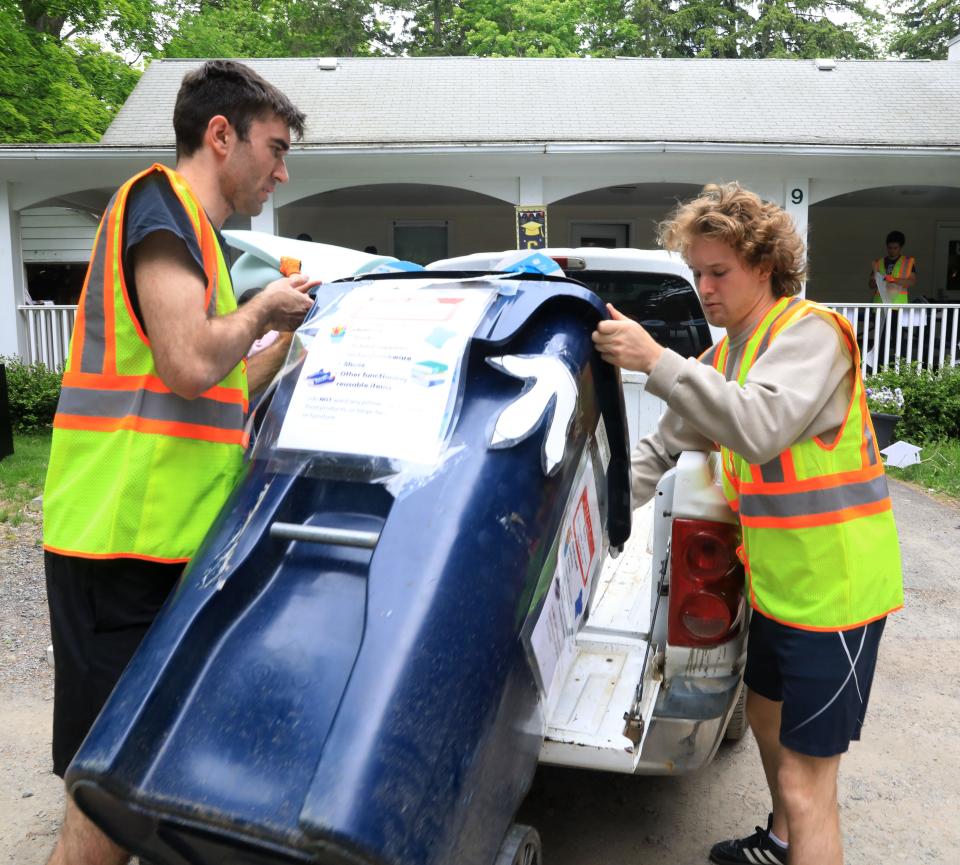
{"x": 782, "y": 398}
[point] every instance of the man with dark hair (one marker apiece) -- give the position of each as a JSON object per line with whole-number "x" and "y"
{"x": 149, "y": 436}
{"x": 897, "y": 272}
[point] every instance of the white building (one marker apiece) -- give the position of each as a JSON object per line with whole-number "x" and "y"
{"x": 429, "y": 157}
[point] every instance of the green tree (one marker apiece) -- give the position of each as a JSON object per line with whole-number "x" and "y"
{"x": 495, "y": 28}
{"x": 804, "y": 28}
{"x": 924, "y": 27}
{"x": 431, "y": 28}
{"x": 276, "y": 28}
{"x": 52, "y": 91}
{"x": 767, "y": 29}
{"x": 518, "y": 28}
{"x": 126, "y": 25}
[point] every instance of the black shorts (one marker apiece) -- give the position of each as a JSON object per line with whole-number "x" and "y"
{"x": 100, "y": 610}
{"x": 822, "y": 678}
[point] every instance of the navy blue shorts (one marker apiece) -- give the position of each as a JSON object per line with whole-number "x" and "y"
{"x": 822, "y": 678}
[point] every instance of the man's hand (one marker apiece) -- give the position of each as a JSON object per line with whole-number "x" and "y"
{"x": 283, "y": 304}
{"x": 624, "y": 343}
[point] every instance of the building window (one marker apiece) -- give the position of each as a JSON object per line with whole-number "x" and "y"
{"x": 420, "y": 240}
{"x": 55, "y": 283}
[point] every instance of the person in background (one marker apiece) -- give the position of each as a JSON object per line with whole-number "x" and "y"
{"x": 897, "y": 271}
{"x": 781, "y": 397}
{"x": 148, "y": 437}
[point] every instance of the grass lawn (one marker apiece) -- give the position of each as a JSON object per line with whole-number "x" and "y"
{"x": 938, "y": 469}
{"x": 22, "y": 474}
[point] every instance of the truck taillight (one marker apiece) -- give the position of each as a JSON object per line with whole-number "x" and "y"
{"x": 570, "y": 262}
{"x": 706, "y": 583}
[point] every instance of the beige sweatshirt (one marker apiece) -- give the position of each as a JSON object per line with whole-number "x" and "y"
{"x": 799, "y": 388}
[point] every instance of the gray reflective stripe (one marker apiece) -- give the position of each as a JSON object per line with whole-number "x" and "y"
{"x": 772, "y": 472}
{"x": 765, "y": 342}
{"x": 94, "y": 340}
{"x": 814, "y": 502}
{"x": 871, "y": 447}
{"x": 89, "y": 402}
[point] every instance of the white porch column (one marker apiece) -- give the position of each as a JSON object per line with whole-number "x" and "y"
{"x": 13, "y": 334}
{"x": 530, "y": 194}
{"x": 266, "y": 220}
{"x": 797, "y": 204}
{"x": 530, "y": 190}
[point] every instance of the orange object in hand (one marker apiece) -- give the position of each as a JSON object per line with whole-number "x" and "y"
{"x": 289, "y": 266}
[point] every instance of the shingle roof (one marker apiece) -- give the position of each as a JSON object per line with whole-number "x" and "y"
{"x": 462, "y": 100}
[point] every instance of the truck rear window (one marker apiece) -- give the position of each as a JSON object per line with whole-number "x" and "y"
{"x": 665, "y": 305}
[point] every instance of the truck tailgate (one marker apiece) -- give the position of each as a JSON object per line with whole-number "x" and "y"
{"x": 585, "y": 718}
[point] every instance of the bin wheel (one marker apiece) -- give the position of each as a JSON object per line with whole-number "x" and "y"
{"x": 737, "y": 725}
{"x": 520, "y": 847}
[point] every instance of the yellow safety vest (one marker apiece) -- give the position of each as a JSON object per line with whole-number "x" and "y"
{"x": 819, "y": 541}
{"x": 902, "y": 267}
{"x": 135, "y": 470}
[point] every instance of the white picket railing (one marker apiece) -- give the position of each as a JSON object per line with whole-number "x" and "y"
{"x": 890, "y": 334}
{"x": 48, "y": 333}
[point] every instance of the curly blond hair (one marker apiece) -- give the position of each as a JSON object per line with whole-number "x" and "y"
{"x": 761, "y": 233}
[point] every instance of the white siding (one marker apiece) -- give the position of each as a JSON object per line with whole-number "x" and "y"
{"x": 56, "y": 234}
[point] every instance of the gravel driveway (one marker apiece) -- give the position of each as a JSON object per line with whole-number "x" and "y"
{"x": 899, "y": 788}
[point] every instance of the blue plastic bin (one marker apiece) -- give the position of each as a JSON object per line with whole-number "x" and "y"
{"x": 376, "y": 704}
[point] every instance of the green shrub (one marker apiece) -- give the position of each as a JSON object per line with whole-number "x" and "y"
{"x": 33, "y": 390}
{"x": 931, "y": 401}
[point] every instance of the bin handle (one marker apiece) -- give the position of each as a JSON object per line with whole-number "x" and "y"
{"x": 324, "y": 535}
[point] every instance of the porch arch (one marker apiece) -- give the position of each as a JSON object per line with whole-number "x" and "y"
{"x": 847, "y": 232}
{"x": 387, "y": 215}
{"x": 603, "y": 213}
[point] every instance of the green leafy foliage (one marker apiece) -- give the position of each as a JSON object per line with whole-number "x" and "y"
{"x": 924, "y": 27}
{"x": 53, "y": 91}
{"x": 33, "y": 391}
{"x": 277, "y": 28}
{"x": 931, "y": 401}
{"x": 641, "y": 28}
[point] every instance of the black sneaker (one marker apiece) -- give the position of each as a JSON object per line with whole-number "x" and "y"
{"x": 757, "y": 849}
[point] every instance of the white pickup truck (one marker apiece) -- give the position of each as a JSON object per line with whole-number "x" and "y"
{"x": 655, "y": 681}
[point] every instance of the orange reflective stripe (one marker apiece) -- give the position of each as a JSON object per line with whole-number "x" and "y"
{"x": 233, "y": 395}
{"x": 79, "y": 323}
{"x": 829, "y": 630}
{"x": 150, "y": 405}
{"x": 809, "y": 521}
{"x": 204, "y": 232}
{"x": 122, "y": 195}
{"x": 109, "y": 320}
{"x": 773, "y": 501}
{"x": 125, "y": 555}
{"x": 812, "y": 484}
{"x": 145, "y": 425}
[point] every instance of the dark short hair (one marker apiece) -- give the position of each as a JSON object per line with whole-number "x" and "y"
{"x": 233, "y": 90}
{"x": 896, "y": 237}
